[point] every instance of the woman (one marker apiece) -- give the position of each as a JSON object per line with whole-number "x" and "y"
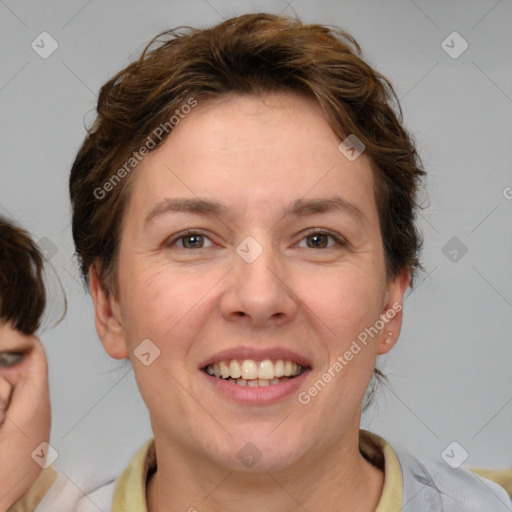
{"x": 243, "y": 209}
{"x": 24, "y": 397}
{"x": 28, "y": 482}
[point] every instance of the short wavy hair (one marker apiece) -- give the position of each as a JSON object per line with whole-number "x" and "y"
{"x": 22, "y": 289}
{"x": 249, "y": 54}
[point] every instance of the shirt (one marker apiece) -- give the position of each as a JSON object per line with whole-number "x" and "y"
{"x": 409, "y": 485}
{"x": 51, "y": 492}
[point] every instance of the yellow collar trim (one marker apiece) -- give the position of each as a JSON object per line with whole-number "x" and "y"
{"x": 31, "y": 499}
{"x": 130, "y": 488}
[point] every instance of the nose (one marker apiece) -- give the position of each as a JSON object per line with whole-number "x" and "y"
{"x": 259, "y": 292}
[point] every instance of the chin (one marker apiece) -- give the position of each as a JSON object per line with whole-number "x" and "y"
{"x": 257, "y": 451}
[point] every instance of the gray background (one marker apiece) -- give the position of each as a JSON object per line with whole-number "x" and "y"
{"x": 450, "y": 372}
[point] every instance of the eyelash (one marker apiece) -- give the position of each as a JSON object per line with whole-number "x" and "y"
{"x": 6, "y": 358}
{"x": 339, "y": 240}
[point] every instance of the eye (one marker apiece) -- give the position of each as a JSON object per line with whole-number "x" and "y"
{"x": 8, "y": 359}
{"x": 320, "y": 239}
{"x": 190, "y": 240}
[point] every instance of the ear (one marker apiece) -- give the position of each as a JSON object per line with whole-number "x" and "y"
{"x": 107, "y": 318}
{"x": 392, "y": 311}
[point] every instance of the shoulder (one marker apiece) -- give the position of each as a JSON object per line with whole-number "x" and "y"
{"x": 99, "y": 500}
{"x": 51, "y": 492}
{"x": 126, "y": 493}
{"x": 61, "y": 497}
{"x": 413, "y": 485}
{"x": 432, "y": 486}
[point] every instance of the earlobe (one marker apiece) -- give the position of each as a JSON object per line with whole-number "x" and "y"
{"x": 392, "y": 313}
{"x": 387, "y": 342}
{"x": 107, "y": 318}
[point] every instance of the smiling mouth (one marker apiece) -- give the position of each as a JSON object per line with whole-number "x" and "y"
{"x": 251, "y": 373}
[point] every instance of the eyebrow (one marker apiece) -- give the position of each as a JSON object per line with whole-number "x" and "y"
{"x": 299, "y": 207}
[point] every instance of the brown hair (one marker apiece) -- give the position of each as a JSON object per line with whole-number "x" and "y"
{"x": 22, "y": 290}
{"x": 249, "y": 54}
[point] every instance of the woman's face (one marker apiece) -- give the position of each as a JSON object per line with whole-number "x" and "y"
{"x": 24, "y": 412}
{"x": 289, "y": 266}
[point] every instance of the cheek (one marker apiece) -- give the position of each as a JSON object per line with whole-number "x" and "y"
{"x": 161, "y": 303}
{"x": 16, "y": 373}
{"x": 347, "y": 301}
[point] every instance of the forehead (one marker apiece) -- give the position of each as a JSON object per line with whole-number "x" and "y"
{"x": 11, "y": 338}
{"x": 251, "y": 151}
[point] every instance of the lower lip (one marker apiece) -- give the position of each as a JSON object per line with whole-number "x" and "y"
{"x": 257, "y": 396}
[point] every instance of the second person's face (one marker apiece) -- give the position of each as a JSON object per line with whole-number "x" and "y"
{"x": 24, "y": 412}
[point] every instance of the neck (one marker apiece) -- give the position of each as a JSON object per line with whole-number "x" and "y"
{"x": 340, "y": 479}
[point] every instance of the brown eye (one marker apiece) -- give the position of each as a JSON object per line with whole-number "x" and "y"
{"x": 193, "y": 241}
{"x": 190, "y": 240}
{"x": 8, "y": 359}
{"x": 320, "y": 240}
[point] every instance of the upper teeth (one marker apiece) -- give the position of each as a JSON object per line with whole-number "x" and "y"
{"x": 250, "y": 370}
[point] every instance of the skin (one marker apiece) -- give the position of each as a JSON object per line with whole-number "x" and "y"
{"x": 24, "y": 411}
{"x": 255, "y": 155}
